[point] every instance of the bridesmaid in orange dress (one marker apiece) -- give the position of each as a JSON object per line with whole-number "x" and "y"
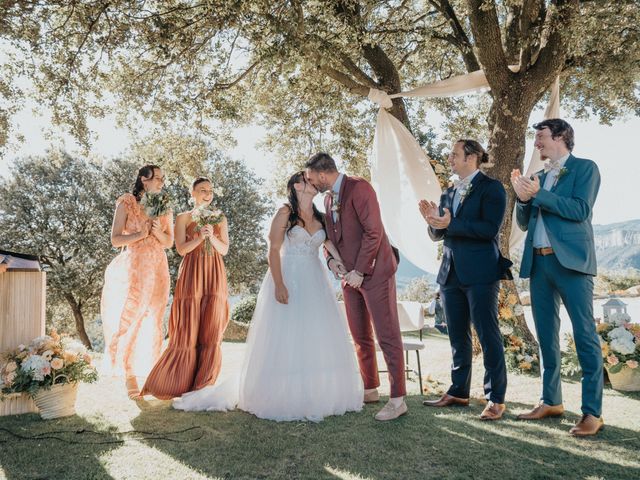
{"x": 200, "y": 311}
{"x": 136, "y": 288}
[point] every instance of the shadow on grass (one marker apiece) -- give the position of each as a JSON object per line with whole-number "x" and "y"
{"x": 426, "y": 443}
{"x": 49, "y": 458}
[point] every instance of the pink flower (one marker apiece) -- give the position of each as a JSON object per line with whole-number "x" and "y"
{"x": 632, "y": 364}
{"x": 57, "y": 363}
{"x": 612, "y": 360}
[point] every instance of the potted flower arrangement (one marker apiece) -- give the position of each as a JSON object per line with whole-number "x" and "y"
{"x": 48, "y": 370}
{"x": 620, "y": 342}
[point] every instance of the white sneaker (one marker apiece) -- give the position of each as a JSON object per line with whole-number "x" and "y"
{"x": 390, "y": 412}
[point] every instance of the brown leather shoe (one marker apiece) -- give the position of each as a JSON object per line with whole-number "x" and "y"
{"x": 542, "y": 411}
{"x": 446, "y": 401}
{"x": 493, "y": 411}
{"x": 588, "y": 425}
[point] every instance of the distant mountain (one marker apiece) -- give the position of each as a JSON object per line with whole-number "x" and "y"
{"x": 618, "y": 245}
{"x": 407, "y": 271}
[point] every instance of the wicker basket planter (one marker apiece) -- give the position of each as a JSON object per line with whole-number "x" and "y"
{"x": 58, "y": 401}
{"x": 626, "y": 380}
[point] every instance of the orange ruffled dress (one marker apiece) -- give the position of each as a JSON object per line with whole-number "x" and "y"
{"x": 199, "y": 317}
{"x": 134, "y": 298}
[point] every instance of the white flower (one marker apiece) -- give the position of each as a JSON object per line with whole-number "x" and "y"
{"x": 73, "y": 346}
{"x": 528, "y": 358}
{"x": 506, "y": 329}
{"x": 36, "y": 366}
{"x": 621, "y": 333}
{"x": 518, "y": 310}
{"x": 618, "y": 318}
{"x": 625, "y": 347}
{"x": 22, "y": 347}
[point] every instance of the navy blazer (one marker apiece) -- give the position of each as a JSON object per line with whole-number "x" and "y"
{"x": 471, "y": 239}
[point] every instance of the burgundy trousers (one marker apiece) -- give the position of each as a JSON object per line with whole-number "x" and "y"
{"x": 375, "y": 307}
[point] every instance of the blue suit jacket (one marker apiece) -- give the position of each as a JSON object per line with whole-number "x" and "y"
{"x": 471, "y": 239}
{"x": 566, "y": 210}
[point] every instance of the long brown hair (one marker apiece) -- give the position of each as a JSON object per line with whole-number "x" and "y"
{"x": 147, "y": 172}
{"x": 294, "y": 206}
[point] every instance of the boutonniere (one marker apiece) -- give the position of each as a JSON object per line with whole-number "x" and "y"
{"x": 464, "y": 191}
{"x": 335, "y": 204}
{"x": 563, "y": 171}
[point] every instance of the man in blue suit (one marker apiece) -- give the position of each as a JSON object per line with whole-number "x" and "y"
{"x": 554, "y": 207}
{"x": 468, "y": 219}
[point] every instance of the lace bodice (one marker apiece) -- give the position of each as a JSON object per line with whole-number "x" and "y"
{"x": 300, "y": 242}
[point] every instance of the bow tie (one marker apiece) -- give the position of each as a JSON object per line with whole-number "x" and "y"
{"x": 552, "y": 165}
{"x": 461, "y": 184}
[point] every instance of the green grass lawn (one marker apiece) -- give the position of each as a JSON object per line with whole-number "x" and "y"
{"x": 426, "y": 443}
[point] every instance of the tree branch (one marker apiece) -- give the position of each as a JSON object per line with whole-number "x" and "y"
{"x": 462, "y": 39}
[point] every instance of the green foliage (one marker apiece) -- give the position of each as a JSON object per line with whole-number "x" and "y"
{"x": 621, "y": 281}
{"x": 570, "y": 364}
{"x": 243, "y": 310}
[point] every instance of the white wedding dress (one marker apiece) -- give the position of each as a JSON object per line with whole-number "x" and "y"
{"x": 299, "y": 362}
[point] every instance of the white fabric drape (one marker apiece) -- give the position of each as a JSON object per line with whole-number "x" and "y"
{"x": 402, "y": 175}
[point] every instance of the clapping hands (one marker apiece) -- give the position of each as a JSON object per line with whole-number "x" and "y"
{"x": 431, "y": 213}
{"x": 525, "y": 188}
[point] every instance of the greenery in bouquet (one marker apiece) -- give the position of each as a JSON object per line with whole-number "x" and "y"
{"x": 620, "y": 342}
{"x": 206, "y": 215}
{"x": 48, "y": 360}
{"x": 519, "y": 355}
{"x": 156, "y": 204}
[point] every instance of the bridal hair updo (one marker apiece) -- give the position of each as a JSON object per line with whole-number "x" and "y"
{"x": 147, "y": 172}
{"x": 471, "y": 147}
{"x": 294, "y": 206}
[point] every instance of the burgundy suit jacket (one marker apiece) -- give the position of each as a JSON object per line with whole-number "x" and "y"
{"x": 358, "y": 233}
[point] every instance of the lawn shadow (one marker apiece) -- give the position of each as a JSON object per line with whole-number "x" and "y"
{"x": 425, "y": 443}
{"x": 72, "y": 454}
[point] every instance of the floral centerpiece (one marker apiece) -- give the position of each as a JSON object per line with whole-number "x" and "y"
{"x": 48, "y": 370}
{"x": 620, "y": 342}
{"x": 204, "y": 215}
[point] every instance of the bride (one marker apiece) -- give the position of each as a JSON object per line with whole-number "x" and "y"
{"x": 299, "y": 362}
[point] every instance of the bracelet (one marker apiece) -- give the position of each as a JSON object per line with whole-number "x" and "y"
{"x": 329, "y": 258}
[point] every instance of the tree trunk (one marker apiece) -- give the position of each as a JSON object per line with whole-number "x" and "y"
{"x": 79, "y": 319}
{"x": 508, "y": 120}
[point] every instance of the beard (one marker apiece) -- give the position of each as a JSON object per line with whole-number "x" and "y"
{"x": 322, "y": 187}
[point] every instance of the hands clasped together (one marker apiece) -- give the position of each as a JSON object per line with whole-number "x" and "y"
{"x": 525, "y": 187}
{"x": 431, "y": 213}
{"x": 353, "y": 278}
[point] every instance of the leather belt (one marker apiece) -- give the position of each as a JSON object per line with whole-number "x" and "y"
{"x": 543, "y": 251}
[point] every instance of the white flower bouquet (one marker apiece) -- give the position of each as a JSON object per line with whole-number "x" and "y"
{"x": 47, "y": 361}
{"x": 156, "y": 204}
{"x": 206, "y": 215}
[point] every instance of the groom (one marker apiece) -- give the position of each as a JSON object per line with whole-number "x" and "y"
{"x": 354, "y": 226}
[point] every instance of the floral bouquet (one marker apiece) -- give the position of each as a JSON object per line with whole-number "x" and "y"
{"x": 156, "y": 204}
{"x": 45, "y": 362}
{"x": 620, "y": 342}
{"x": 206, "y": 216}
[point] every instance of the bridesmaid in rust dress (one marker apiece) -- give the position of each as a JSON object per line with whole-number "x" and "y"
{"x": 200, "y": 311}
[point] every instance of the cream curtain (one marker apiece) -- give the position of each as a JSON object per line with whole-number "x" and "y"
{"x": 402, "y": 175}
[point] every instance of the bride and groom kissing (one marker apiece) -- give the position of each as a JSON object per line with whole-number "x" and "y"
{"x": 299, "y": 361}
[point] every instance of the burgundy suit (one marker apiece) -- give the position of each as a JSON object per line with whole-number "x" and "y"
{"x": 359, "y": 236}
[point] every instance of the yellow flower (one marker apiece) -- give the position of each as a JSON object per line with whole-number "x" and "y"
{"x": 601, "y": 327}
{"x": 69, "y": 357}
{"x": 525, "y": 366}
{"x": 505, "y": 312}
{"x": 57, "y": 363}
{"x": 515, "y": 341}
{"x": 512, "y": 299}
{"x": 605, "y": 349}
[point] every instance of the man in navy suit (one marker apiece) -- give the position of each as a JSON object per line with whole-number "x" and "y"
{"x": 468, "y": 219}
{"x": 554, "y": 207}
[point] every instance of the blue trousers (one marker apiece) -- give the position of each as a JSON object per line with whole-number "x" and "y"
{"x": 464, "y": 304}
{"x": 550, "y": 282}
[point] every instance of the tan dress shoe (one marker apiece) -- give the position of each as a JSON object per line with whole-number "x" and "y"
{"x": 542, "y": 411}
{"x": 493, "y": 411}
{"x": 372, "y": 397}
{"x": 588, "y": 425}
{"x": 391, "y": 412}
{"x": 447, "y": 400}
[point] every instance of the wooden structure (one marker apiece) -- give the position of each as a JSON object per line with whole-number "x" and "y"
{"x": 22, "y": 318}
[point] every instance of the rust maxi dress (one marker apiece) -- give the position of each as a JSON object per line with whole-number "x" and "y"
{"x": 199, "y": 316}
